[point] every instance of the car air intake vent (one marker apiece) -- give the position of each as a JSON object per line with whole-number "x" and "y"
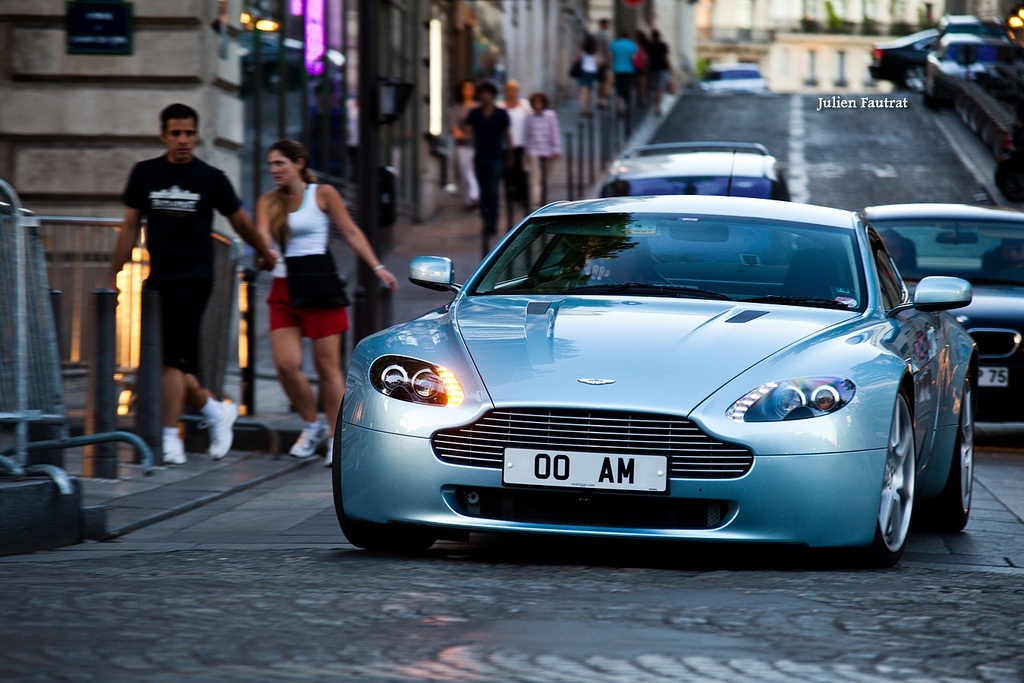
{"x": 692, "y": 454}
{"x": 996, "y": 343}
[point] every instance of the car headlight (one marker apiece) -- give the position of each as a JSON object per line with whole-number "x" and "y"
{"x": 793, "y": 399}
{"x": 415, "y": 381}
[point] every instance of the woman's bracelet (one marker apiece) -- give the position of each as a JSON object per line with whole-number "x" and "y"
{"x": 379, "y": 267}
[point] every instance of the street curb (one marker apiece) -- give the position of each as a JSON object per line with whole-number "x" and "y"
{"x": 293, "y": 466}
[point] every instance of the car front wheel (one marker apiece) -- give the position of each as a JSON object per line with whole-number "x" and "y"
{"x": 896, "y": 503}
{"x": 1010, "y": 179}
{"x": 370, "y": 535}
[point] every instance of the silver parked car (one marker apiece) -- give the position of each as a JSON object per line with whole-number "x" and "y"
{"x": 702, "y": 368}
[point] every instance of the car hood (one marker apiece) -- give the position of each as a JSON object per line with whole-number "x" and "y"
{"x": 644, "y": 353}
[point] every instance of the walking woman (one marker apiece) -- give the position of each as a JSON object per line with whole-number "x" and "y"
{"x": 297, "y": 216}
{"x": 588, "y": 67}
{"x": 465, "y": 99}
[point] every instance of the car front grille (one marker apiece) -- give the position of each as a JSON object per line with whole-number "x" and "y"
{"x": 692, "y": 454}
{"x": 996, "y": 343}
{"x": 572, "y": 508}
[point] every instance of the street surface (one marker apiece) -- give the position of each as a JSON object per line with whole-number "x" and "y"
{"x": 262, "y": 585}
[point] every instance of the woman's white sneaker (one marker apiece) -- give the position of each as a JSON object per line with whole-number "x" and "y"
{"x": 329, "y": 458}
{"x": 310, "y": 438}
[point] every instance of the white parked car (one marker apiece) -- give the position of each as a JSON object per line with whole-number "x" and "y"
{"x": 743, "y": 77}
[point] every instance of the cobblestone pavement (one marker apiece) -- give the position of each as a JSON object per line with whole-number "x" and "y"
{"x": 505, "y": 613}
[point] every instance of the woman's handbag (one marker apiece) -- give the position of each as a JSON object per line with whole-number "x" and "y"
{"x": 313, "y": 282}
{"x": 577, "y": 70}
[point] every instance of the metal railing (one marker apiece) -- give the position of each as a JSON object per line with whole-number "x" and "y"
{"x": 31, "y": 385}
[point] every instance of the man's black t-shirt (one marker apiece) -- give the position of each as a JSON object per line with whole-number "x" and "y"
{"x": 489, "y": 132}
{"x": 657, "y": 53}
{"x": 177, "y": 201}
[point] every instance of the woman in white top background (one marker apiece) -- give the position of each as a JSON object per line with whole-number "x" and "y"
{"x": 297, "y": 215}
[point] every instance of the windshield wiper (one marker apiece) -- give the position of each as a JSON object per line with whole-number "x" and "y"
{"x": 814, "y": 301}
{"x": 652, "y": 290}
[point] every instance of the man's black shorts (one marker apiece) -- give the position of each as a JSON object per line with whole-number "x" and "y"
{"x": 182, "y": 303}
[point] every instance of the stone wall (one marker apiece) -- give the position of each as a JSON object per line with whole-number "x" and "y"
{"x": 72, "y": 126}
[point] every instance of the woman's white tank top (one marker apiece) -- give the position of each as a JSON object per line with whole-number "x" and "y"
{"x": 309, "y": 226}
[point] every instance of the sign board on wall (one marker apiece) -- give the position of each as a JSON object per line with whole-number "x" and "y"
{"x": 97, "y": 27}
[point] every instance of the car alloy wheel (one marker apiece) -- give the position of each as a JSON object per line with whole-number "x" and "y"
{"x": 896, "y": 503}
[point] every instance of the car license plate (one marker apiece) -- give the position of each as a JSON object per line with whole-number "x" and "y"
{"x": 993, "y": 377}
{"x": 571, "y": 469}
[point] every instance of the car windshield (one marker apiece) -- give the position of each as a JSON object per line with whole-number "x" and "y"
{"x": 733, "y": 75}
{"x": 760, "y": 188}
{"x": 978, "y": 251}
{"x": 679, "y": 256}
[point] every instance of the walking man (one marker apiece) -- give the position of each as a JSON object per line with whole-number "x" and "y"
{"x": 492, "y": 143}
{"x": 177, "y": 193}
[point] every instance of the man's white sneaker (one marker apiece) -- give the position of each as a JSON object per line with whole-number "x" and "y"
{"x": 222, "y": 430}
{"x": 174, "y": 451}
{"x": 329, "y": 458}
{"x": 310, "y": 438}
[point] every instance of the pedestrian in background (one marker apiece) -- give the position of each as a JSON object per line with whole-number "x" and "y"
{"x": 641, "y": 66}
{"x": 465, "y": 99}
{"x": 603, "y": 39}
{"x": 543, "y": 141}
{"x": 492, "y": 145}
{"x": 177, "y": 193}
{"x": 659, "y": 67}
{"x": 587, "y": 70}
{"x": 516, "y": 187}
{"x": 297, "y": 216}
{"x": 623, "y": 49}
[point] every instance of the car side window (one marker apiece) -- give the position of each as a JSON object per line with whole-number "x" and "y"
{"x": 891, "y": 286}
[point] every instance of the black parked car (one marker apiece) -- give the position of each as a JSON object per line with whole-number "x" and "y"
{"x": 986, "y": 247}
{"x": 902, "y": 60}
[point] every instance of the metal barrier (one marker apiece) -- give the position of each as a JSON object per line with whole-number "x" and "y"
{"x": 990, "y": 119}
{"x": 78, "y": 252}
{"x": 31, "y": 385}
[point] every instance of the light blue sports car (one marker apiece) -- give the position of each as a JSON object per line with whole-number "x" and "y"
{"x": 684, "y": 367}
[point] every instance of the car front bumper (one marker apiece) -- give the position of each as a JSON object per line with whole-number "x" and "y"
{"x": 820, "y": 500}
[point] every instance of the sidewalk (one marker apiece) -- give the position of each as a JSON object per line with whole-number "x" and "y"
{"x": 136, "y": 500}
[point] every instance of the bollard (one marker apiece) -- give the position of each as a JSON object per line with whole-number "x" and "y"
{"x": 149, "y": 421}
{"x": 248, "y": 320}
{"x": 591, "y": 159}
{"x": 103, "y": 411}
{"x": 509, "y": 201}
{"x": 605, "y": 146}
{"x": 56, "y": 307}
{"x": 580, "y": 146}
{"x": 568, "y": 168}
{"x": 543, "y": 181}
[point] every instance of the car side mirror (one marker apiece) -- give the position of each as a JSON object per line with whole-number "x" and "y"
{"x": 939, "y": 293}
{"x": 433, "y": 272}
